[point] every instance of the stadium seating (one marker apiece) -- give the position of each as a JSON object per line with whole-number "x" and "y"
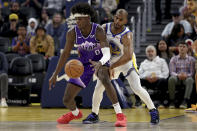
{"x": 10, "y": 57}
{"x": 4, "y": 44}
{"x": 20, "y": 81}
{"x": 37, "y": 78}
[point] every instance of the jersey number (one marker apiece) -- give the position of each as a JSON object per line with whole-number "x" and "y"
{"x": 97, "y": 52}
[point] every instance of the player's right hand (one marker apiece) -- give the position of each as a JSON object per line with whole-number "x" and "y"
{"x": 52, "y": 81}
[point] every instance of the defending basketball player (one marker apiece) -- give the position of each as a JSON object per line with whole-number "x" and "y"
{"x": 94, "y": 54}
{"x": 122, "y": 60}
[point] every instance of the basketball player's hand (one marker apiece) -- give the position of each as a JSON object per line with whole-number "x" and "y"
{"x": 96, "y": 65}
{"x": 52, "y": 81}
{"x": 111, "y": 73}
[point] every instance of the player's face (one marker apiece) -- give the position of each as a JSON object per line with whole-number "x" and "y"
{"x": 82, "y": 22}
{"x": 192, "y": 5}
{"x": 120, "y": 20}
{"x": 151, "y": 54}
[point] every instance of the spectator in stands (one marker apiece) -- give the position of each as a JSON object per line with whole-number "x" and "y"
{"x": 10, "y": 29}
{"x": 54, "y": 4}
{"x": 56, "y": 28}
{"x": 122, "y": 3}
{"x": 102, "y": 15}
{"x": 1, "y": 19}
{"x": 167, "y": 14}
{"x": 15, "y": 8}
{"x": 33, "y": 5}
{"x": 163, "y": 50}
{"x": 20, "y": 44}
{"x": 187, "y": 15}
{"x": 42, "y": 43}
{"x": 176, "y": 36}
{"x": 45, "y": 21}
{"x": 176, "y": 20}
{"x": 32, "y": 25}
{"x": 108, "y": 6}
{"x": 154, "y": 72}
{"x": 1, "y": 4}
{"x": 182, "y": 72}
{"x": 3, "y": 80}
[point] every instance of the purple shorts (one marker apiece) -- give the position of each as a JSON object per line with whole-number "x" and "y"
{"x": 85, "y": 78}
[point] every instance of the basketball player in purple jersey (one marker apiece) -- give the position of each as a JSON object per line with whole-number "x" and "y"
{"x": 94, "y": 53}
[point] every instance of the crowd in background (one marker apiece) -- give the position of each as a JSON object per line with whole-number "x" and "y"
{"x": 39, "y": 27}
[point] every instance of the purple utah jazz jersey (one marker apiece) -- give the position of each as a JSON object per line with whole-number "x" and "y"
{"x": 89, "y": 48}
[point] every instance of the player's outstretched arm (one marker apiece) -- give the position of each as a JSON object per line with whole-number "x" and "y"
{"x": 70, "y": 39}
{"x": 127, "y": 41}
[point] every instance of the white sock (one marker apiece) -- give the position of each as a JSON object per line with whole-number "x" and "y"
{"x": 134, "y": 82}
{"x": 75, "y": 112}
{"x": 117, "y": 108}
{"x": 97, "y": 97}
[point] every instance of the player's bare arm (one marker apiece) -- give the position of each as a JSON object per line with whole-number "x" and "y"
{"x": 128, "y": 51}
{"x": 70, "y": 39}
{"x": 101, "y": 37}
{"x": 104, "y": 27}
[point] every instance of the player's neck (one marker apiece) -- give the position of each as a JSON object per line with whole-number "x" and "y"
{"x": 86, "y": 31}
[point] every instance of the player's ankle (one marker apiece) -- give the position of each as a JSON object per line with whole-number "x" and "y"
{"x": 75, "y": 112}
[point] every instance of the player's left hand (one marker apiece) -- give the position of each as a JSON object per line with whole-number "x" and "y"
{"x": 96, "y": 65}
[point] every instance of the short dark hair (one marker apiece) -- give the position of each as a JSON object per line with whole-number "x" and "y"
{"x": 40, "y": 27}
{"x": 86, "y": 9}
{"x": 182, "y": 42}
{"x": 21, "y": 25}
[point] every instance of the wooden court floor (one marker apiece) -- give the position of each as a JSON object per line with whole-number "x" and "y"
{"x": 34, "y": 118}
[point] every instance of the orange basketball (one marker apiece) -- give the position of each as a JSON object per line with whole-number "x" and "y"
{"x": 74, "y": 68}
